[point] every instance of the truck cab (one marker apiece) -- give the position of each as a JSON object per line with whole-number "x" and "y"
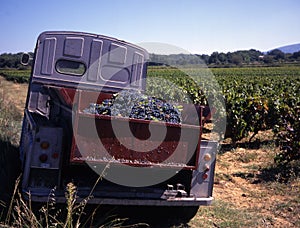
{"x": 119, "y": 160}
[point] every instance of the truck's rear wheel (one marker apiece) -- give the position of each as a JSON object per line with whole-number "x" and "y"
{"x": 184, "y": 214}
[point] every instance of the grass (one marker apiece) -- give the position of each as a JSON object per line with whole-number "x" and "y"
{"x": 21, "y": 213}
{"x": 16, "y": 212}
{"x": 248, "y": 189}
{"x": 10, "y": 122}
{"x": 225, "y": 214}
{"x": 10, "y": 127}
{"x": 24, "y": 214}
{"x": 247, "y": 157}
{"x": 251, "y": 192}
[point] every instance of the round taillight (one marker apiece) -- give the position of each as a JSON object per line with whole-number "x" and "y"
{"x": 44, "y": 145}
{"x": 43, "y": 158}
{"x": 207, "y": 157}
{"x": 205, "y": 176}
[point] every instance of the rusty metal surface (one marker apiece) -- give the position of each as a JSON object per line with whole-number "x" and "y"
{"x": 177, "y": 148}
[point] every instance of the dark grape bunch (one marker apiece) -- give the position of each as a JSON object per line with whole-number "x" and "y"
{"x": 133, "y": 104}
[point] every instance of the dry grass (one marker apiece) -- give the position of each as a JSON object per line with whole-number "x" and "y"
{"x": 247, "y": 189}
{"x": 21, "y": 213}
{"x": 14, "y": 210}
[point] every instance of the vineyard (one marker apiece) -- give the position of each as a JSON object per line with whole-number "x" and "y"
{"x": 20, "y": 76}
{"x": 249, "y": 189}
{"x": 255, "y": 99}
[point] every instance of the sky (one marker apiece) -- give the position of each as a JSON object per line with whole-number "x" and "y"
{"x": 197, "y": 26}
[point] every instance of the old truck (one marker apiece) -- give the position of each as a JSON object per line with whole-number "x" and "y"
{"x": 141, "y": 162}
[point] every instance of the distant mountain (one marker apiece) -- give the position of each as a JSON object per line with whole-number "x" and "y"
{"x": 289, "y": 48}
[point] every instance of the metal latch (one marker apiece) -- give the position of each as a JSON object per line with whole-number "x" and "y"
{"x": 174, "y": 193}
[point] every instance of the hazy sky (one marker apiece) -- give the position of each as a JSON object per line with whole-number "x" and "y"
{"x": 197, "y": 26}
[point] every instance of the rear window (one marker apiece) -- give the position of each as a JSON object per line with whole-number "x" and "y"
{"x": 70, "y": 67}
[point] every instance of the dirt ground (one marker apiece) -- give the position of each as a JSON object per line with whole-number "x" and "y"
{"x": 242, "y": 178}
{"x": 246, "y": 181}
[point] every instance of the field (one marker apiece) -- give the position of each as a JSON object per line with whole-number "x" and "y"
{"x": 250, "y": 190}
{"x": 20, "y": 76}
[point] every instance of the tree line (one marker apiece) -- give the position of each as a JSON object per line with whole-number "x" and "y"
{"x": 216, "y": 59}
{"x": 9, "y": 60}
{"x": 229, "y": 59}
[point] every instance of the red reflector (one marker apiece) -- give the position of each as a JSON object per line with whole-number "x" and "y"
{"x": 205, "y": 176}
{"x": 43, "y": 158}
{"x": 55, "y": 155}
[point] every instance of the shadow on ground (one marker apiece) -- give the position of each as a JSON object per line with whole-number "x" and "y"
{"x": 142, "y": 216}
{"x": 10, "y": 169}
{"x": 256, "y": 144}
{"x": 120, "y": 216}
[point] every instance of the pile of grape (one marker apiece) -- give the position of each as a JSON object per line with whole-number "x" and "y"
{"x": 133, "y": 104}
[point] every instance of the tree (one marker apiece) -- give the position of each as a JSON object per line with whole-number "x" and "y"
{"x": 277, "y": 54}
{"x": 8, "y": 60}
{"x": 237, "y": 59}
{"x": 254, "y": 55}
{"x": 222, "y": 57}
{"x": 295, "y": 56}
{"x": 204, "y": 58}
{"x": 268, "y": 59}
{"x": 214, "y": 58}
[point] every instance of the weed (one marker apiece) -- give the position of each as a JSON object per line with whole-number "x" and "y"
{"x": 247, "y": 157}
{"x": 253, "y": 167}
{"x": 21, "y": 213}
{"x": 223, "y": 177}
{"x": 10, "y": 123}
{"x": 223, "y": 214}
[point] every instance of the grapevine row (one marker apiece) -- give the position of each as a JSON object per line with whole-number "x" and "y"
{"x": 256, "y": 99}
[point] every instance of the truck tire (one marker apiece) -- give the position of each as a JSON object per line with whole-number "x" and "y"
{"x": 189, "y": 212}
{"x": 183, "y": 214}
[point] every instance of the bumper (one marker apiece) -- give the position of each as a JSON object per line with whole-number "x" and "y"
{"x": 183, "y": 201}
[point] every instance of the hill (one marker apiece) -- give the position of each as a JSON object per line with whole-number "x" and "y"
{"x": 289, "y": 48}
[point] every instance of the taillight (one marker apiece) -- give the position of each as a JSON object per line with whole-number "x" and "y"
{"x": 43, "y": 158}
{"x": 207, "y": 157}
{"x": 205, "y": 176}
{"x": 45, "y": 145}
{"x": 206, "y": 167}
{"x": 55, "y": 155}
{"x": 46, "y": 151}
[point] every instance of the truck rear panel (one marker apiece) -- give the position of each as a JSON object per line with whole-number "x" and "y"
{"x": 145, "y": 162}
